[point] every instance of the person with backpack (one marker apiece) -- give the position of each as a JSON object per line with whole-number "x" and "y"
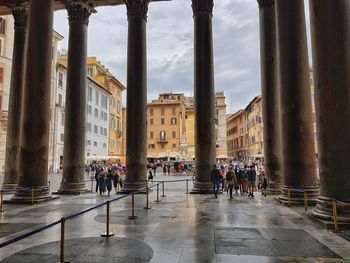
{"x": 251, "y": 173}
{"x": 215, "y": 180}
{"x": 231, "y": 180}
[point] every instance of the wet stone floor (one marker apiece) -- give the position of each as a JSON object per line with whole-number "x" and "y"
{"x": 180, "y": 228}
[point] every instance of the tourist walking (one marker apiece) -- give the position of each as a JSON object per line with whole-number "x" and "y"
{"x": 251, "y": 180}
{"x": 231, "y": 180}
{"x": 108, "y": 180}
{"x": 215, "y": 180}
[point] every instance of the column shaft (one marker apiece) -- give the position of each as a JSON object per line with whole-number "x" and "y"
{"x": 270, "y": 93}
{"x": 295, "y": 97}
{"x": 136, "y": 140}
{"x": 75, "y": 108}
{"x": 330, "y": 28}
{"x": 204, "y": 94}
{"x": 14, "y": 112}
{"x": 34, "y": 139}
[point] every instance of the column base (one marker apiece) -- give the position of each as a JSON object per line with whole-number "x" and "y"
{"x": 130, "y": 187}
{"x": 75, "y": 188}
{"x": 324, "y": 210}
{"x": 40, "y": 194}
{"x": 202, "y": 188}
{"x": 9, "y": 188}
{"x": 297, "y": 198}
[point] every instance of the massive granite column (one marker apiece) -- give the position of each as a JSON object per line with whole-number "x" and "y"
{"x": 204, "y": 94}
{"x": 35, "y": 114}
{"x": 136, "y": 140}
{"x": 299, "y": 168}
{"x": 270, "y": 93}
{"x": 19, "y": 12}
{"x": 330, "y": 28}
{"x": 75, "y": 109}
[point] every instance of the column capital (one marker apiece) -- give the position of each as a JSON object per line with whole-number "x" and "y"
{"x": 19, "y": 11}
{"x": 202, "y": 6}
{"x": 263, "y": 3}
{"x": 137, "y": 8}
{"x": 79, "y": 10}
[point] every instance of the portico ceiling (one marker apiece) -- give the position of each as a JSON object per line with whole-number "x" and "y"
{"x": 4, "y": 10}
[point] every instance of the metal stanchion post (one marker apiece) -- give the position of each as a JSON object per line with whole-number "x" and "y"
{"x": 132, "y": 217}
{"x": 335, "y": 216}
{"x": 107, "y": 233}
{"x": 63, "y": 221}
{"x": 163, "y": 195}
{"x": 305, "y": 200}
{"x": 157, "y": 201}
{"x": 186, "y": 186}
{"x": 147, "y": 199}
{"x": 32, "y": 195}
{"x": 1, "y": 199}
{"x": 92, "y": 185}
{"x": 289, "y": 196}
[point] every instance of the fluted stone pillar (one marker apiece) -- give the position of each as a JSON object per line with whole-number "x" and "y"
{"x": 34, "y": 139}
{"x": 204, "y": 94}
{"x": 295, "y": 96}
{"x": 16, "y": 87}
{"x": 136, "y": 140}
{"x": 270, "y": 94}
{"x": 330, "y": 28}
{"x": 75, "y": 109}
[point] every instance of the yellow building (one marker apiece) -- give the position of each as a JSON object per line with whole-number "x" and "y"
{"x": 102, "y": 75}
{"x": 164, "y": 131}
{"x": 237, "y": 135}
{"x": 255, "y": 128}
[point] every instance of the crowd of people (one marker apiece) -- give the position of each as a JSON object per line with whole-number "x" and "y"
{"x": 246, "y": 178}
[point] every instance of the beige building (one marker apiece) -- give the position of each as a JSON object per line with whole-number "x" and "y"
{"x": 255, "y": 128}
{"x": 237, "y": 135}
{"x": 164, "y": 128}
{"x": 220, "y": 126}
{"x": 103, "y": 76}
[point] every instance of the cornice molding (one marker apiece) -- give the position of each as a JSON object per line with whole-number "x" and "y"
{"x": 138, "y": 8}
{"x": 79, "y": 11}
{"x": 202, "y": 6}
{"x": 263, "y": 3}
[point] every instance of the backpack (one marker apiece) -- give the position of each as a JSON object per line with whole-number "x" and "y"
{"x": 229, "y": 176}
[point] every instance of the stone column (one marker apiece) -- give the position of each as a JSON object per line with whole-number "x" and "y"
{"x": 270, "y": 94}
{"x": 136, "y": 140}
{"x": 35, "y": 116}
{"x": 75, "y": 107}
{"x": 204, "y": 94}
{"x": 299, "y": 165}
{"x": 14, "y": 112}
{"x": 330, "y": 28}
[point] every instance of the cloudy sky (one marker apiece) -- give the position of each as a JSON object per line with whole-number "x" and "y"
{"x": 170, "y": 46}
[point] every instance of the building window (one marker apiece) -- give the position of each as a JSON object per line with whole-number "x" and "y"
{"x": 162, "y": 111}
{"x": 104, "y": 145}
{"x": 62, "y": 118}
{"x": 60, "y": 100}
{"x": 89, "y": 142}
{"x": 216, "y": 121}
{"x": 112, "y": 143}
{"x": 217, "y": 146}
{"x": 90, "y": 94}
{"x": 101, "y": 115}
{"x": 217, "y": 112}
{"x": 97, "y": 97}
{"x": 105, "y": 116}
{"x": 118, "y": 106}
{"x": 151, "y": 134}
{"x": 95, "y": 143}
{"x": 173, "y": 111}
{"x": 173, "y": 121}
{"x": 186, "y": 117}
{"x": 95, "y": 129}
{"x": 89, "y": 127}
{"x": 101, "y": 130}
{"x": 2, "y": 26}
{"x": 105, "y": 131}
{"x": 150, "y": 112}
{"x": 89, "y": 109}
{"x": 96, "y": 113}
{"x": 174, "y": 145}
{"x": 113, "y": 101}
{"x": 161, "y": 120}
{"x": 151, "y": 121}
{"x": 162, "y": 136}
{"x": 174, "y": 134}
{"x": 151, "y": 146}
{"x": 60, "y": 79}
{"x": 119, "y": 128}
